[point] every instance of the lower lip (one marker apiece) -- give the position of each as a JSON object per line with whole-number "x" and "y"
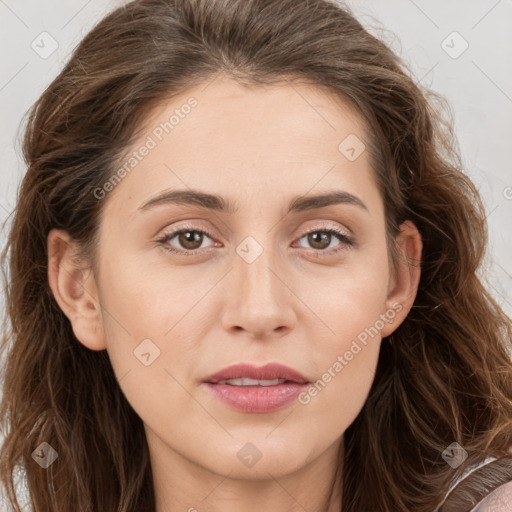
{"x": 257, "y": 399}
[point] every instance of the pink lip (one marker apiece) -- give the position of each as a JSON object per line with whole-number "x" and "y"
{"x": 268, "y": 372}
{"x": 257, "y": 399}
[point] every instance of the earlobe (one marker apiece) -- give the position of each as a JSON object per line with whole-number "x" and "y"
{"x": 74, "y": 289}
{"x": 404, "y": 281}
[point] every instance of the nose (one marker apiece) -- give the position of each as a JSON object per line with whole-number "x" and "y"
{"x": 260, "y": 300}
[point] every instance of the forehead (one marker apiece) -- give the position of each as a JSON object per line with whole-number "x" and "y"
{"x": 253, "y": 113}
{"x": 285, "y": 137}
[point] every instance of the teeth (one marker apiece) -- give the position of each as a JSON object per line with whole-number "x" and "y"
{"x": 252, "y": 382}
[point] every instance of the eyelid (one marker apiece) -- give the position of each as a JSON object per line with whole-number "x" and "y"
{"x": 327, "y": 225}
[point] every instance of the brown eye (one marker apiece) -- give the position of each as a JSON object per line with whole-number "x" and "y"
{"x": 190, "y": 239}
{"x": 187, "y": 240}
{"x": 321, "y": 239}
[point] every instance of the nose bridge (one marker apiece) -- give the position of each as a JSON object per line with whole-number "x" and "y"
{"x": 256, "y": 263}
{"x": 260, "y": 301}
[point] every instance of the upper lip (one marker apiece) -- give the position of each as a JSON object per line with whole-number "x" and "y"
{"x": 269, "y": 371}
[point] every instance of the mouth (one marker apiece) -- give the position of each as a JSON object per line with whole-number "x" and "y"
{"x": 252, "y": 389}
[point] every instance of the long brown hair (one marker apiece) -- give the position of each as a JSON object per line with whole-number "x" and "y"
{"x": 444, "y": 378}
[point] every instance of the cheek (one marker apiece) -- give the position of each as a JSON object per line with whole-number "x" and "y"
{"x": 145, "y": 301}
{"x": 345, "y": 350}
{"x": 162, "y": 306}
{"x": 334, "y": 400}
{"x": 347, "y": 300}
{"x": 345, "y": 360}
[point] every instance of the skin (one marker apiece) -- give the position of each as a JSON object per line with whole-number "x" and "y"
{"x": 498, "y": 501}
{"x": 259, "y": 147}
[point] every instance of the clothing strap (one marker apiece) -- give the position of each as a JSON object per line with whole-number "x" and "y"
{"x": 471, "y": 489}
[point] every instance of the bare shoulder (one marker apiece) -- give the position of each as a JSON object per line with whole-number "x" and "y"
{"x": 500, "y": 500}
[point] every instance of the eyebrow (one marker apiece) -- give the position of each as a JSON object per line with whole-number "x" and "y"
{"x": 220, "y": 204}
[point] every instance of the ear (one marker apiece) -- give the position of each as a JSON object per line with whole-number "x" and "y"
{"x": 404, "y": 280}
{"x": 75, "y": 291}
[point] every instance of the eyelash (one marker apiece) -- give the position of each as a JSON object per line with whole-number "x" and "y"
{"x": 346, "y": 240}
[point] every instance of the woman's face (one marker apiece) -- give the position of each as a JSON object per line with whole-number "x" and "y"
{"x": 245, "y": 283}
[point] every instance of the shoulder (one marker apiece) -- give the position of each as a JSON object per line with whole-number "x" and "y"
{"x": 500, "y": 500}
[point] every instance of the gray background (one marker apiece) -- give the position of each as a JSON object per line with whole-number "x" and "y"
{"x": 477, "y": 83}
